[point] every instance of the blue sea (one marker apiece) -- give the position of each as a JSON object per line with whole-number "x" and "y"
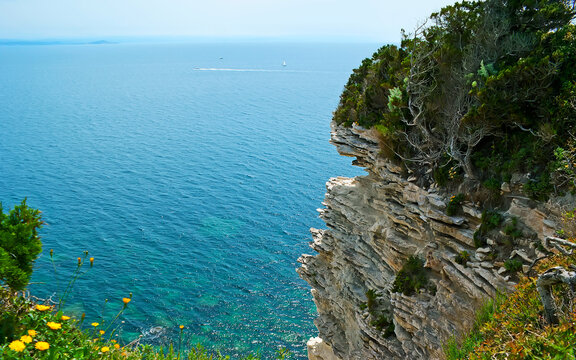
{"x": 190, "y": 172}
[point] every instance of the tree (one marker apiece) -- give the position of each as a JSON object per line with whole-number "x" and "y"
{"x": 478, "y": 76}
{"x": 20, "y": 244}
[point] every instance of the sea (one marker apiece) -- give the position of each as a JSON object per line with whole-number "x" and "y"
{"x": 190, "y": 172}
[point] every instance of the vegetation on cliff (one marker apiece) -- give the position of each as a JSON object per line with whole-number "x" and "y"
{"x": 483, "y": 91}
{"x": 515, "y": 327}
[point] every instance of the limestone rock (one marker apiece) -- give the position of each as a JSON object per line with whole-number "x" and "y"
{"x": 374, "y": 224}
{"x": 319, "y": 350}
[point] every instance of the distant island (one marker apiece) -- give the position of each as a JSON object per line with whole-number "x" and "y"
{"x": 54, "y": 42}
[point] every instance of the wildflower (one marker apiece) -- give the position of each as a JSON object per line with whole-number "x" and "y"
{"x": 27, "y": 339}
{"x": 64, "y": 317}
{"x": 32, "y": 332}
{"x": 79, "y": 261}
{"x": 181, "y": 327}
{"x": 95, "y": 324}
{"x": 42, "y": 345}
{"x": 17, "y": 345}
{"x": 91, "y": 261}
{"x": 43, "y": 307}
{"x": 51, "y": 252}
{"x": 116, "y": 346}
{"x": 105, "y": 349}
{"x": 124, "y": 353}
{"x": 102, "y": 332}
{"x": 53, "y": 325}
{"x": 126, "y": 300}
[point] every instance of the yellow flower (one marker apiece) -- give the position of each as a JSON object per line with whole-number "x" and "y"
{"x": 116, "y": 346}
{"x": 53, "y": 325}
{"x": 64, "y": 317}
{"x": 79, "y": 261}
{"x": 42, "y": 345}
{"x": 105, "y": 349}
{"x": 124, "y": 353}
{"x": 32, "y": 332}
{"x": 27, "y": 339}
{"x": 126, "y": 300}
{"x": 181, "y": 327}
{"x": 43, "y": 307}
{"x": 91, "y": 261}
{"x": 102, "y": 332}
{"x": 95, "y": 324}
{"x": 17, "y": 345}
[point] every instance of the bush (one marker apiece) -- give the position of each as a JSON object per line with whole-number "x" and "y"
{"x": 384, "y": 323}
{"x": 19, "y": 244}
{"x": 513, "y": 265}
{"x": 462, "y": 258}
{"x": 412, "y": 277}
{"x": 454, "y": 205}
{"x": 382, "y": 320}
{"x": 490, "y": 220}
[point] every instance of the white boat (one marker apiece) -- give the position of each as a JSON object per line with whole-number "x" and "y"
{"x": 284, "y": 63}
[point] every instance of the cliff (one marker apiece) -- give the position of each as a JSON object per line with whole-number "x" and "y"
{"x": 376, "y": 222}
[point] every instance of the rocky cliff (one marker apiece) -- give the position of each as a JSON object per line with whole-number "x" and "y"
{"x": 375, "y": 223}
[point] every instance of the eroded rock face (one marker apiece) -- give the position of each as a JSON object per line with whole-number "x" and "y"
{"x": 374, "y": 224}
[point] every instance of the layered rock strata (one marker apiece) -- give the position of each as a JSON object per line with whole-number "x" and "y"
{"x": 374, "y": 224}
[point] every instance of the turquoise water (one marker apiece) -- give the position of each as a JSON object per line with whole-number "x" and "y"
{"x": 190, "y": 172}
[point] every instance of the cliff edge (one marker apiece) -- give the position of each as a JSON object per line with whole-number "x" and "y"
{"x": 377, "y": 223}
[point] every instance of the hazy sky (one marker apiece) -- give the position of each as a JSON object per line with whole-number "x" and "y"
{"x": 371, "y": 20}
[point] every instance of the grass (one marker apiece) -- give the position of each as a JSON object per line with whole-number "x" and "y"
{"x": 513, "y": 327}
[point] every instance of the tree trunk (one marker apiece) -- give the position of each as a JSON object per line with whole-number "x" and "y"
{"x": 553, "y": 276}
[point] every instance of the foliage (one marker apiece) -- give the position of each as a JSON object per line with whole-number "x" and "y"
{"x": 412, "y": 277}
{"x": 483, "y": 91}
{"x": 455, "y": 349}
{"x": 490, "y": 220}
{"x": 381, "y": 318}
{"x": 19, "y": 244}
{"x": 384, "y": 323}
{"x": 455, "y": 204}
{"x": 462, "y": 258}
{"x": 513, "y": 265}
{"x": 511, "y": 229}
{"x": 516, "y": 328}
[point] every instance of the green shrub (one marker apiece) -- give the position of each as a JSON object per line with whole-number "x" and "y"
{"x": 462, "y": 258}
{"x": 371, "y": 296}
{"x": 454, "y": 206}
{"x": 19, "y": 244}
{"x": 513, "y": 265}
{"x": 384, "y": 323}
{"x": 490, "y": 220}
{"x": 412, "y": 277}
{"x": 382, "y": 320}
{"x": 512, "y": 230}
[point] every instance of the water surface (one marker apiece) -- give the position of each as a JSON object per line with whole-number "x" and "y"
{"x": 190, "y": 172}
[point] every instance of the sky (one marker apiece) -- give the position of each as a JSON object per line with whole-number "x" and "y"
{"x": 361, "y": 20}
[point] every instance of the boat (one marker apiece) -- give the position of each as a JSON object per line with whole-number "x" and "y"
{"x": 284, "y": 63}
